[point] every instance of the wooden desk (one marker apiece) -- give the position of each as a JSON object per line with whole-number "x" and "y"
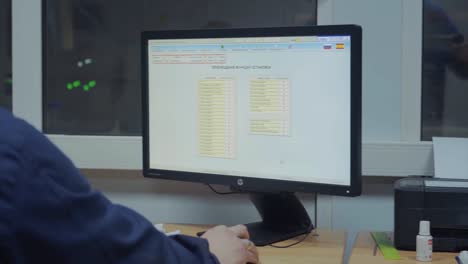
{"x": 365, "y": 251}
{"x": 326, "y": 248}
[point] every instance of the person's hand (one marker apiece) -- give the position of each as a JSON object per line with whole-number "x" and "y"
{"x": 231, "y": 245}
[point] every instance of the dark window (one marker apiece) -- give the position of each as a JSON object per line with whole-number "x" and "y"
{"x": 445, "y": 69}
{"x": 92, "y": 59}
{"x": 5, "y": 54}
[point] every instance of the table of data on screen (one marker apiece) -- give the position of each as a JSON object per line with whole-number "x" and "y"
{"x": 270, "y": 106}
{"x": 216, "y": 117}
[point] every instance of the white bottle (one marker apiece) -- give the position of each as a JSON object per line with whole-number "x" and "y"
{"x": 424, "y": 242}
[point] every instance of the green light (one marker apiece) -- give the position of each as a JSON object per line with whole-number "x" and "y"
{"x": 92, "y": 84}
{"x": 76, "y": 84}
{"x": 69, "y": 86}
{"x": 9, "y": 81}
{"x": 85, "y": 88}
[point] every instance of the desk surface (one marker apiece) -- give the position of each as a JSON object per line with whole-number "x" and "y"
{"x": 326, "y": 248}
{"x": 365, "y": 251}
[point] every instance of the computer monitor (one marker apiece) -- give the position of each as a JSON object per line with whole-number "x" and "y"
{"x": 269, "y": 111}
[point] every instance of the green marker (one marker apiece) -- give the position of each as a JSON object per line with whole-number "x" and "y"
{"x": 76, "y": 84}
{"x": 386, "y": 246}
{"x": 69, "y": 86}
{"x": 92, "y": 84}
{"x": 85, "y": 88}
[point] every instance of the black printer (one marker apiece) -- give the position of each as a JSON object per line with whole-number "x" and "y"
{"x": 443, "y": 202}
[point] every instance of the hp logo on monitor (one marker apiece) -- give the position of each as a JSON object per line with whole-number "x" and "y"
{"x": 240, "y": 182}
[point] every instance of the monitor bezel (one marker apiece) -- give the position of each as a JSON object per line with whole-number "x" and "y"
{"x": 260, "y": 184}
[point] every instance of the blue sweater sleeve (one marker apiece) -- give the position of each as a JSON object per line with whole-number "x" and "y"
{"x": 50, "y": 214}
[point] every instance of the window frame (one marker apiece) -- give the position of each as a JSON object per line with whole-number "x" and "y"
{"x": 6, "y": 13}
{"x": 409, "y": 156}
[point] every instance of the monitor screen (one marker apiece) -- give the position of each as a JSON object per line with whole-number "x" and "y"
{"x": 262, "y": 106}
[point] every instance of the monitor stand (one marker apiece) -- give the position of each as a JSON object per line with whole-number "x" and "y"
{"x": 283, "y": 217}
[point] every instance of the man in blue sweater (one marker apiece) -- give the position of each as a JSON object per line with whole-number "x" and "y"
{"x": 50, "y": 214}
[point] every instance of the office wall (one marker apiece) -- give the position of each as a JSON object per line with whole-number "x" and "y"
{"x": 371, "y": 211}
{"x": 162, "y": 201}
{"x": 391, "y": 117}
{"x": 382, "y": 48}
{"x": 169, "y": 201}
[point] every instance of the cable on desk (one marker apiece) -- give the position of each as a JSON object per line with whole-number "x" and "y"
{"x": 221, "y": 193}
{"x": 293, "y": 244}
